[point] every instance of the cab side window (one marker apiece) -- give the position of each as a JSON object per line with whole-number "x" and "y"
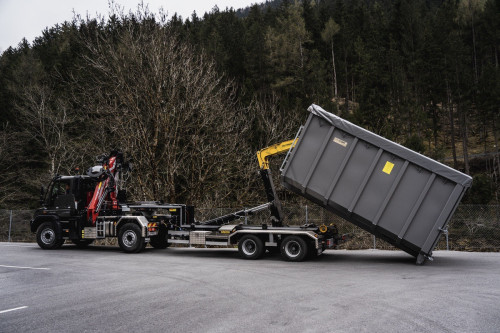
{"x": 60, "y": 188}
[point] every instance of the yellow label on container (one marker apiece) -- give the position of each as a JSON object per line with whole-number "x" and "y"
{"x": 388, "y": 167}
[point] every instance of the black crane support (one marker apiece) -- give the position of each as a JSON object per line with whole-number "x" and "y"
{"x": 272, "y": 197}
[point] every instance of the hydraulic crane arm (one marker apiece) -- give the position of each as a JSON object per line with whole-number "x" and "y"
{"x": 265, "y": 173}
{"x": 264, "y": 154}
{"x": 273, "y": 202}
{"x": 108, "y": 176}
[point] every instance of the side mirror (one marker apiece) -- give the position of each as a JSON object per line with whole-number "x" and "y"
{"x": 42, "y": 194}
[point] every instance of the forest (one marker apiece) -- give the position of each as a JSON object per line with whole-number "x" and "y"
{"x": 190, "y": 100}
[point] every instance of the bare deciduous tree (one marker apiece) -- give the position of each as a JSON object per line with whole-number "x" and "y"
{"x": 49, "y": 121}
{"x": 167, "y": 107}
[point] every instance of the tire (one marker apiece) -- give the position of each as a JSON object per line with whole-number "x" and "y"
{"x": 160, "y": 241}
{"x": 46, "y": 237}
{"x": 82, "y": 243}
{"x": 130, "y": 238}
{"x": 250, "y": 247}
{"x": 293, "y": 248}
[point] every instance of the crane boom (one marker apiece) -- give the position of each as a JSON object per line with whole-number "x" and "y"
{"x": 106, "y": 189}
{"x": 264, "y": 154}
{"x": 265, "y": 173}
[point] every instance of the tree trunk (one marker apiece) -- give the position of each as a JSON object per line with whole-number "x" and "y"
{"x": 434, "y": 124}
{"x": 465, "y": 140}
{"x": 496, "y": 58}
{"x": 474, "y": 48}
{"x": 496, "y": 160}
{"x": 452, "y": 133}
{"x": 346, "y": 104}
{"x": 463, "y": 124}
{"x": 335, "y": 91}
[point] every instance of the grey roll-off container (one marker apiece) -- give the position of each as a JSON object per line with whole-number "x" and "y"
{"x": 388, "y": 190}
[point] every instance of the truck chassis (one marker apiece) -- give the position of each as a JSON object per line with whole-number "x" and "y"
{"x": 177, "y": 226}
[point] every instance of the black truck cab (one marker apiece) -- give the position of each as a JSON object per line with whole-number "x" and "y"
{"x": 67, "y": 196}
{"x": 63, "y": 206}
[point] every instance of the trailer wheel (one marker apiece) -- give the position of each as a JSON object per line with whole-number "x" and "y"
{"x": 46, "y": 237}
{"x": 250, "y": 247}
{"x": 82, "y": 243}
{"x": 160, "y": 241}
{"x": 293, "y": 248}
{"x": 130, "y": 238}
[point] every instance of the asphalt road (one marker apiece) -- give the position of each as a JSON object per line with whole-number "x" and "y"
{"x": 101, "y": 289}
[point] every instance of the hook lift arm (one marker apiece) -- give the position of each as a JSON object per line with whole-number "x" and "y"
{"x": 265, "y": 173}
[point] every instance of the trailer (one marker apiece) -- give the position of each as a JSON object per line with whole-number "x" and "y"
{"x": 394, "y": 193}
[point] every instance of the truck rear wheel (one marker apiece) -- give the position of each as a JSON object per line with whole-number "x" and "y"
{"x": 46, "y": 237}
{"x": 293, "y": 248}
{"x": 250, "y": 247}
{"x": 130, "y": 238}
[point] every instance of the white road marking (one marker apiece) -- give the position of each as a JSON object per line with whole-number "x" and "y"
{"x": 14, "y": 309}
{"x": 41, "y": 268}
{"x": 16, "y": 245}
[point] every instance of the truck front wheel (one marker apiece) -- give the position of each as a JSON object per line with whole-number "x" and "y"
{"x": 46, "y": 237}
{"x": 293, "y": 248}
{"x": 250, "y": 247}
{"x": 130, "y": 239}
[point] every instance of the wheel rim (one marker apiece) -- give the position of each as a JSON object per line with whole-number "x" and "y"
{"x": 249, "y": 247}
{"x": 129, "y": 238}
{"x": 293, "y": 249}
{"x": 48, "y": 236}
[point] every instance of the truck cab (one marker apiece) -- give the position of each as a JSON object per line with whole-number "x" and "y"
{"x": 67, "y": 195}
{"x": 63, "y": 211}
{"x": 64, "y": 215}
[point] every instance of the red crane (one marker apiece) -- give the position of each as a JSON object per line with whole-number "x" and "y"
{"x": 108, "y": 175}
